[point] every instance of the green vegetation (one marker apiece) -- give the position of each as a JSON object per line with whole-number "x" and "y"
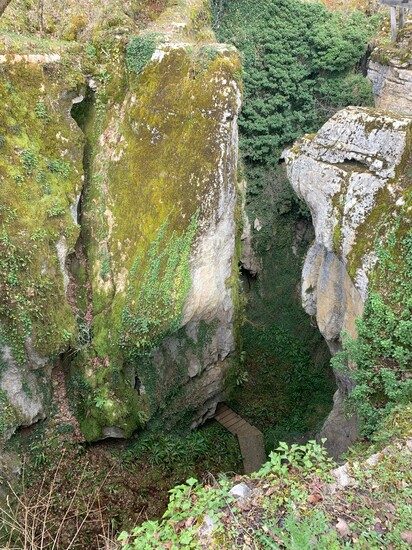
{"x": 154, "y": 309}
{"x": 36, "y": 193}
{"x": 294, "y": 504}
{"x": 212, "y": 446}
{"x": 114, "y": 483}
{"x": 139, "y": 51}
{"x": 383, "y": 350}
{"x": 299, "y": 62}
{"x": 299, "y": 67}
{"x": 284, "y": 354}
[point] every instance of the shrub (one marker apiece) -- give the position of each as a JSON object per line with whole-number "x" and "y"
{"x": 298, "y": 68}
{"x": 139, "y": 51}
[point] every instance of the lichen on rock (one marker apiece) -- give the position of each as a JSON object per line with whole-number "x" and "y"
{"x": 40, "y": 174}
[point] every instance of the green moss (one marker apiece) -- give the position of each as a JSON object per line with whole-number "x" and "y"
{"x": 157, "y": 291}
{"x": 9, "y": 418}
{"x": 141, "y": 218}
{"x": 382, "y": 351}
{"x": 384, "y": 216}
{"x": 40, "y": 173}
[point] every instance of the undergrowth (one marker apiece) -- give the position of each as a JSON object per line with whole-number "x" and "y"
{"x": 292, "y": 503}
{"x": 382, "y": 351}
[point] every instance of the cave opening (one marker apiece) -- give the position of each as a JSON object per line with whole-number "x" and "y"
{"x": 285, "y": 384}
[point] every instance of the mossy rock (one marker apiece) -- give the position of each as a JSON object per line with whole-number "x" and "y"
{"x": 156, "y": 174}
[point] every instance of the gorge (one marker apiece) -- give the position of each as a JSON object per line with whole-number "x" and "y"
{"x": 202, "y": 203}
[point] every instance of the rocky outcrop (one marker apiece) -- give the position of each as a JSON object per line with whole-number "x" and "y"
{"x": 40, "y": 177}
{"x": 353, "y": 176}
{"x": 120, "y": 233}
{"x": 392, "y": 86}
{"x": 159, "y": 235}
{"x": 390, "y": 70}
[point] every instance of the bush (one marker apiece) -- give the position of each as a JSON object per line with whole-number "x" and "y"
{"x": 139, "y": 52}
{"x": 298, "y": 68}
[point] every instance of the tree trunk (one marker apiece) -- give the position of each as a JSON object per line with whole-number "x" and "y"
{"x": 3, "y": 6}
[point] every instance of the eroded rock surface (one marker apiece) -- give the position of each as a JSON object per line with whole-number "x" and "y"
{"x": 353, "y": 176}
{"x": 390, "y": 70}
{"x": 159, "y": 237}
{"x": 40, "y": 178}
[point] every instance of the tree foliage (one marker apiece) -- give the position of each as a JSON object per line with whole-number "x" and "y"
{"x": 299, "y": 62}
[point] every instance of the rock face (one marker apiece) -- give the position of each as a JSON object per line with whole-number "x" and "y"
{"x": 40, "y": 176}
{"x": 160, "y": 216}
{"x": 352, "y": 175}
{"x": 390, "y": 70}
{"x": 392, "y": 86}
{"x": 120, "y": 234}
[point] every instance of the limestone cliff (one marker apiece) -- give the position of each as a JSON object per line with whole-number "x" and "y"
{"x": 41, "y": 178}
{"x": 120, "y": 233}
{"x": 354, "y": 176}
{"x": 159, "y": 219}
{"x": 390, "y": 70}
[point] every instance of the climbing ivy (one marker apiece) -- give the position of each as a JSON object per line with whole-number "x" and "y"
{"x": 382, "y": 351}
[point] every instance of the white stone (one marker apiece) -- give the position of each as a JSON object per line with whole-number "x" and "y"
{"x": 241, "y": 490}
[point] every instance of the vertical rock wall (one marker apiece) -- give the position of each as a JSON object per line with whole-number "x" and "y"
{"x": 353, "y": 175}
{"x": 120, "y": 234}
{"x": 40, "y": 180}
{"x": 160, "y": 231}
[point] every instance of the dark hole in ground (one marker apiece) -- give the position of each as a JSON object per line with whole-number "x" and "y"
{"x": 285, "y": 384}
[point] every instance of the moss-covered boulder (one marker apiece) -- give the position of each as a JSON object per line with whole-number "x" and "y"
{"x": 160, "y": 231}
{"x": 40, "y": 182}
{"x": 145, "y": 305}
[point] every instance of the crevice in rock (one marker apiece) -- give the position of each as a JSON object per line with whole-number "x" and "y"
{"x": 354, "y": 164}
{"x": 362, "y": 66}
{"x": 247, "y": 277}
{"x": 77, "y": 263}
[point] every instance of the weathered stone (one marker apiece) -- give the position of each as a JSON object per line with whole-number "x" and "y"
{"x": 241, "y": 491}
{"x": 351, "y": 175}
{"x": 41, "y": 178}
{"x": 341, "y": 474}
{"x": 339, "y": 429}
{"x": 340, "y": 173}
{"x": 162, "y": 237}
{"x": 392, "y": 87}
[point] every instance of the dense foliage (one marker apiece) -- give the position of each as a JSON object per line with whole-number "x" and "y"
{"x": 383, "y": 350}
{"x": 299, "y": 61}
{"x": 299, "y": 66}
{"x": 294, "y": 503}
